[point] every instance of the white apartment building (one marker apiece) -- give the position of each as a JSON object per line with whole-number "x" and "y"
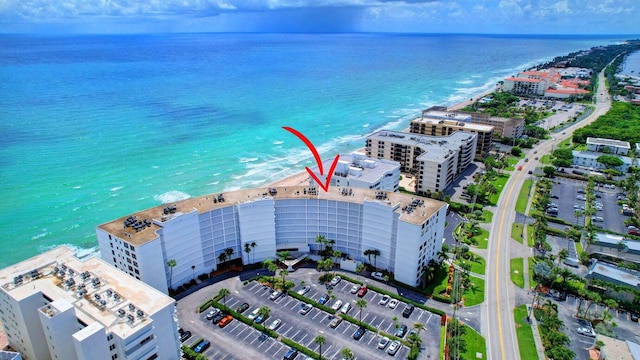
{"x": 357, "y": 170}
{"x": 589, "y": 160}
{"x": 525, "y": 86}
{"x": 616, "y": 147}
{"x": 436, "y": 161}
{"x": 407, "y": 231}
{"x": 55, "y": 306}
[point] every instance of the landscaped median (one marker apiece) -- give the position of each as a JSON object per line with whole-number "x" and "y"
{"x": 517, "y": 272}
{"x": 526, "y": 343}
{"x": 523, "y": 196}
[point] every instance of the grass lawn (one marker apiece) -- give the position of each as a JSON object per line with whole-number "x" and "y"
{"x": 516, "y": 232}
{"x": 482, "y": 239}
{"x": 475, "y": 295}
{"x": 578, "y": 248}
{"x": 523, "y": 197}
{"x": 440, "y": 278}
{"x": 511, "y": 161}
{"x": 526, "y": 344}
{"x": 475, "y": 344}
{"x": 564, "y": 144}
{"x": 532, "y": 283}
{"x": 499, "y": 184}
{"x": 443, "y": 336}
{"x": 477, "y": 266}
{"x": 517, "y": 272}
{"x": 545, "y": 159}
{"x": 487, "y": 216}
{"x": 530, "y": 236}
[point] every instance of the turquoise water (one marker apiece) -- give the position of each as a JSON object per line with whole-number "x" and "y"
{"x": 96, "y": 127}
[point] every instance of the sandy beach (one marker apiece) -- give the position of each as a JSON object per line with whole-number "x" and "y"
{"x": 302, "y": 178}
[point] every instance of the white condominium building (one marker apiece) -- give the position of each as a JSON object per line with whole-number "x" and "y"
{"x": 436, "y": 161}
{"x": 198, "y": 233}
{"x": 55, "y": 306}
{"x": 614, "y": 147}
{"x": 357, "y": 170}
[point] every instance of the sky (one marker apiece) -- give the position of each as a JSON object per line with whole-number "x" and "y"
{"x": 311, "y": 16}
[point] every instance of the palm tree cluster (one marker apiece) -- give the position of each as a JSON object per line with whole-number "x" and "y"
{"x": 553, "y": 339}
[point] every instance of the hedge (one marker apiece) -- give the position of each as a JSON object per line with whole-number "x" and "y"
{"x": 209, "y": 303}
{"x": 309, "y": 301}
{"x": 246, "y": 320}
{"x": 351, "y": 279}
{"x": 189, "y": 354}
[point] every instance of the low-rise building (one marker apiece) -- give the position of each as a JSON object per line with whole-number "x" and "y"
{"x": 589, "y": 160}
{"x": 616, "y": 147}
{"x": 611, "y": 274}
{"x": 615, "y": 349}
{"x": 614, "y": 248}
{"x": 442, "y": 123}
{"x": 56, "y": 306}
{"x": 358, "y": 170}
{"x": 504, "y": 127}
{"x": 436, "y": 161}
{"x": 196, "y": 233}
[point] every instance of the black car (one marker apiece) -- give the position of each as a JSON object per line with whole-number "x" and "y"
{"x": 359, "y": 333}
{"x": 408, "y": 310}
{"x": 401, "y": 331}
{"x": 634, "y": 317}
{"x": 216, "y": 319}
{"x": 242, "y": 308}
{"x": 555, "y": 196}
{"x": 184, "y": 335}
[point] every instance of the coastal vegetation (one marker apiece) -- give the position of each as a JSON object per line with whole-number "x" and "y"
{"x": 621, "y": 122}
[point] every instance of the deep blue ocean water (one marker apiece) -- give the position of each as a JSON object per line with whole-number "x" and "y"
{"x": 96, "y": 127}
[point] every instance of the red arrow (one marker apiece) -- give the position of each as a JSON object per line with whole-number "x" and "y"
{"x": 325, "y": 185}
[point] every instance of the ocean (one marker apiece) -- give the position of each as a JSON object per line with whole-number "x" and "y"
{"x": 96, "y": 127}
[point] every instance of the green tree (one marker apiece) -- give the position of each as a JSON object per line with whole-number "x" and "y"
{"x": 282, "y": 256}
{"x": 563, "y": 254}
{"x": 171, "y": 264}
{"x": 516, "y": 151}
{"x": 347, "y": 354}
{"x": 320, "y": 340}
{"x": 253, "y": 246}
{"x": 609, "y": 161}
{"x": 247, "y": 249}
{"x": 549, "y": 171}
{"x": 264, "y": 311}
{"x": 321, "y": 240}
{"x": 361, "y": 304}
{"x": 224, "y": 293}
{"x": 284, "y": 273}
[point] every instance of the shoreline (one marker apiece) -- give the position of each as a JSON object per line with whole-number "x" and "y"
{"x": 302, "y": 178}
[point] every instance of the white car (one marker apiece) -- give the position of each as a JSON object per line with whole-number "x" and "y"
{"x": 377, "y": 275}
{"x": 384, "y": 341}
{"x": 335, "y": 280}
{"x": 393, "y": 348}
{"x": 345, "y": 308}
{"x": 304, "y": 290}
{"x": 305, "y": 309}
{"x": 354, "y": 289}
{"x": 336, "y": 305}
{"x": 586, "y": 331}
{"x": 275, "y": 324}
{"x": 393, "y": 303}
{"x": 253, "y": 314}
{"x": 384, "y": 300}
{"x": 274, "y": 295}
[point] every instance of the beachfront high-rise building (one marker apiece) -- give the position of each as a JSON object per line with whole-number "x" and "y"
{"x": 197, "y": 233}
{"x": 442, "y": 123}
{"x": 502, "y": 127}
{"x": 435, "y": 161}
{"x": 56, "y": 306}
{"x": 358, "y": 170}
{"x": 549, "y": 83}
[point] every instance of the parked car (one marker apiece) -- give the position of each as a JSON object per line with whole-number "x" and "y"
{"x": 185, "y": 336}
{"x": 408, "y": 310}
{"x": 586, "y": 331}
{"x": 260, "y": 319}
{"x": 323, "y": 300}
{"x": 345, "y": 308}
{"x": 335, "y": 322}
{"x": 213, "y": 313}
{"x": 253, "y": 314}
{"x": 242, "y": 308}
{"x": 354, "y": 289}
{"x": 393, "y": 303}
{"x": 303, "y": 290}
{"x": 634, "y": 317}
{"x": 555, "y": 196}
{"x": 225, "y": 321}
{"x": 202, "y": 346}
{"x": 275, "y": 295}
{"x": 377, "y": 275}
{"x": 336, "y": 305}
{"x": 216, "y": 319}
{"x": 274, "y": 324}
{"x": 291, "y": 354}
{"x": 401, "y": 331}
{"x": 384, "y": 300}
{"x": 335, "y": 281}
{"x": 362, "y": 292}
{"x": 359, "y": 333}
{"x": 305, "y": 309}
{"x": 384, "y": 341}
{"x": 393, "y": 348}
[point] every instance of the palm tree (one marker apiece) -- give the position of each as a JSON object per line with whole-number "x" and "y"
{"x": 272, "y": 269}
{"x": 222, "y": 257}
{"x": 264, "y": 311}
{"x": 418, "y": 326}
{"x": 282, "y": 255}
{"x": 375, "y": 253}
{"x": 320, "y": 340}
{"x": 224, "y": 293}
{"x": 359, "y": 268}
{"x": 171, "y": 264}
{"x": 283, "y": 273}
{"x": 562, "y": 255}
{"x": 229, "y": 252}
{"x": 442, "y": 256}
{"x": 253, "y": 246}
{"x": 361, "y": 304}
{"x": 247, "y": 249}
{"x": 320, "y": 240}
{"x": 565, "y": 274}
{"x": 368, "y": 254}
{"x": 347, "y": 354}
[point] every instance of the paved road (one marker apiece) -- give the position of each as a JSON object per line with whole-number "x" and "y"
{"x": 498, "y": 326}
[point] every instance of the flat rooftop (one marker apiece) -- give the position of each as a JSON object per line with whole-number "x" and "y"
{"x": 459, "y": 120}
{"x": 608, "y": 142}
{"x": 156, "y": 215}
{"x": 98, "y": 292}
{"x": 614, "y": 273}
{"x": 436, "y": 148}
{"x": 370, "y": 169}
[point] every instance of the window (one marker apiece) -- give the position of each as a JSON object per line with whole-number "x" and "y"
{"x": 136, "y": 271}
{"x": 114, "y": 356}
{"x": 134, "y": 256}
{"x": 112, "y": 346}
{"x": 126, "y": 246}
{"x": 113, "y": 252}
{"x": 133, "y": 248}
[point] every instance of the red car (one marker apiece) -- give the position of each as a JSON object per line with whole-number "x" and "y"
{"x": 225, "y": 321}
{"x": 520, "y": 167}
{"x": 363, "y": 290}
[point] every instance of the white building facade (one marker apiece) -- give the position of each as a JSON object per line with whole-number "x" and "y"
{"x": 55, "y": 306}
{"x": 358, "y": 170}
{"x": 406, "y": 230}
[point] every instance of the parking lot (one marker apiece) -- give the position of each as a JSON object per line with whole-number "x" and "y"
{"x": 248, "y": 343}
